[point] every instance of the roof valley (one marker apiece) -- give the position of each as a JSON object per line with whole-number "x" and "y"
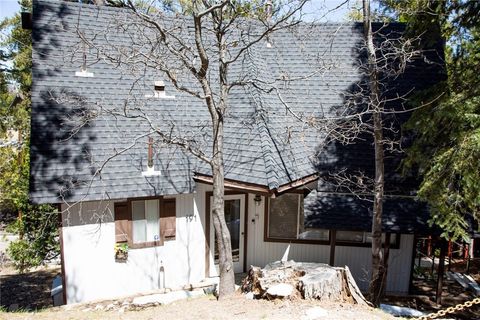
{"x": 261, "y": 116}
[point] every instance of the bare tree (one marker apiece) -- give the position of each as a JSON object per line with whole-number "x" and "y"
{"x": 195, "y": 53}
{"x": 378, "y": 262}
{"x": 373, "y": 111}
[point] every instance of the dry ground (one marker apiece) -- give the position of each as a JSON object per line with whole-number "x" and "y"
{"x": 207, "y": 307}
{"x": 32, "y": 291}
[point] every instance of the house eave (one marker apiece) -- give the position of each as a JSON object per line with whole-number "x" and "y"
{"x": 258, "y": 188}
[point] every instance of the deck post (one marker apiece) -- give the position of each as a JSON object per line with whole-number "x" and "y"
{"x": 333, "y": 237}
{"x": 441, "y": 270}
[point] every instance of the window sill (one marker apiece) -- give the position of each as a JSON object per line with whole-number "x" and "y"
{"x": 304, "y": 241}
{"x": 327, "y": 242}
{"x": 145, "y": 245}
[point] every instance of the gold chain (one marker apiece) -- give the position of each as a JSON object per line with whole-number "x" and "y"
{"x": 458, "y": 307}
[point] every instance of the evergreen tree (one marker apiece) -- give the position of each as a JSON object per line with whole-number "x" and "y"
{"x": 446, "y": 151}
{"x": 36, "y": 225}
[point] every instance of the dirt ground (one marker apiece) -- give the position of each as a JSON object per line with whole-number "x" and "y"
{"x": 424, "y": 293}
{"x": 207, "y": 307}
{"x": 27, "y": 291}
{"x": 31, "y": 291}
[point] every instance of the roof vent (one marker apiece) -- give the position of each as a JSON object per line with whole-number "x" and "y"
{"x": 83, "y": 70}
{"x": 159, "y": 87}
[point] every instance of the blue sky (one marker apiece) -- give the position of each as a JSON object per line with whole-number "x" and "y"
{"x": 316, "y": 8}
{"x": 8, "y": 8}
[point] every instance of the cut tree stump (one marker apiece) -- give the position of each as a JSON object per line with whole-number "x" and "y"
{"x": 309, "y": 281}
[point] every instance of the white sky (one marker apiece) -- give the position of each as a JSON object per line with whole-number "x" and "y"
{"x": 316, "y": 9}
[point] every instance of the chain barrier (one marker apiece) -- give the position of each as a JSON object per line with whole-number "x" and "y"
{"x": 458, "y": 307}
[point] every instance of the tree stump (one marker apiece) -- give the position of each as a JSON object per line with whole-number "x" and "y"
{"x": 309, "y": 280}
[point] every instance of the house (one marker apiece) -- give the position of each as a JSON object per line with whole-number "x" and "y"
{"x": 92, "y": 117}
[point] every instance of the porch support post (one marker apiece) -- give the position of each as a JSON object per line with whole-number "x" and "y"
{"x": 441, "y": 270}
{"x": 412, "y": 265}
{"x": 333, "y": 237}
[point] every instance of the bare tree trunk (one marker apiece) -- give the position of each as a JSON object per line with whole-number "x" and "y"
{"x": 378, "y": 271}
{"x": 227, "y": 276}
{"x": 386, "y": 255}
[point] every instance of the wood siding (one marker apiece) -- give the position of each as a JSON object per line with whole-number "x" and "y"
{"x": 358, "y": 259}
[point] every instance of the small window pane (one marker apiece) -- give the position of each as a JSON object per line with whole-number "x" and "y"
{"x": 151, "y": 215}
{"x": 393, "y": 238}
{"x": 368, "y": 237}
{"x": 283, "y": 216}
{"x": 350, "y": 236}
{"x": 314, "y": 234}
{"x": 145, "y": 221}
{"x": 139, "y": 222}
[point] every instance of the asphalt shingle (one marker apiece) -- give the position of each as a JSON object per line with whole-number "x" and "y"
{"x": 74, "y": 159}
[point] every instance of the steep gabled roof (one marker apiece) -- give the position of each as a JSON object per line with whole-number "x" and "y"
{"x": 265, "y": 144}
{"x": 262, "y": 145}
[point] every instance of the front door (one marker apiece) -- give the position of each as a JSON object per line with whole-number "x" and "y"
{"x": 235, "y": 218}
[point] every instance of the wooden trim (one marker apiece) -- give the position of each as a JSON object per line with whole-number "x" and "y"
{"x": 207, "y": 234}
{"x": 149, "y": 244}
{"x": 233, "y": 184}
{"x": 209, "y": 194}
{"x": 265, "y": 221}
{"x": 143, "y": 245}
{"x": 297, "y": 183}
{"x": 245, "y": 231}
{"x": 258, "y": 188}
{"x": 128, "y": 232}
{"x": 412, "y": 264}
{"x": 62, "y": 253}
{"x": 333, "y": 236}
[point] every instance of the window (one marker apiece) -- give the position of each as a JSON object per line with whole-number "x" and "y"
{"x": 361, "y": 237}
{"x": 286, "y": 220}
{"x": 145, "y": 222}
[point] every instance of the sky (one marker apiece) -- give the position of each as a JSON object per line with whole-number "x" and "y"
{"x": 8, "y": 8}
{"x": 314, "y": 9}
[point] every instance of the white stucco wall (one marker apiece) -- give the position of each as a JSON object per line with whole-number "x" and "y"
{"x": 90, "y": 267}
{"x": 92, "y": 273}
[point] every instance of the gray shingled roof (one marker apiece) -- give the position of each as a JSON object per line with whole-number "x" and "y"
{"x": 264, "y": 144}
